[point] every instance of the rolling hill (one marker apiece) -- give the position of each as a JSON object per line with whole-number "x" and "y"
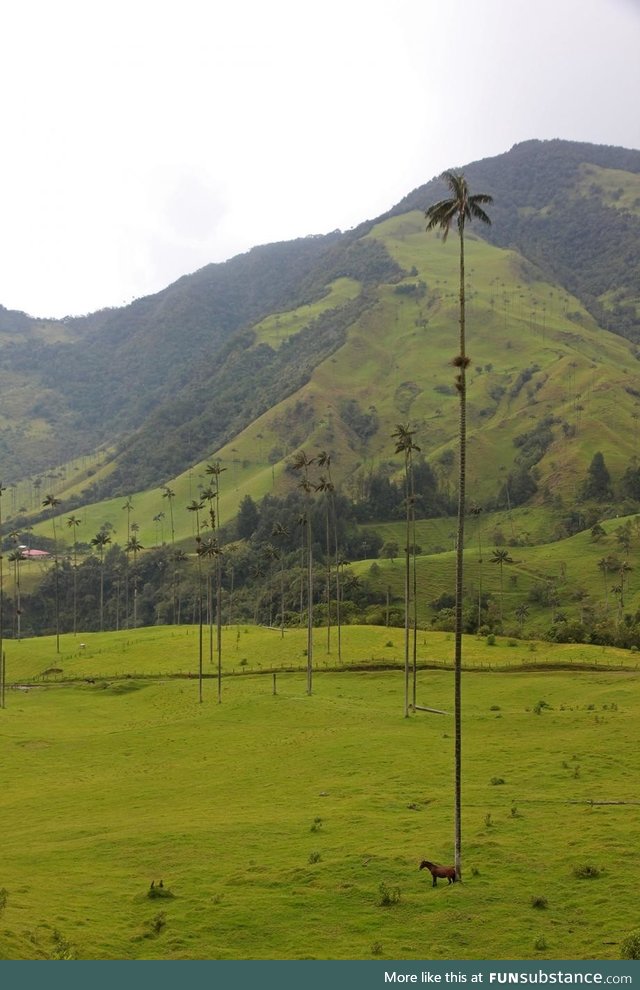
{"x": 330, "y": 341}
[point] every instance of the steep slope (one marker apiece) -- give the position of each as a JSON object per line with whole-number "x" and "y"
{"x": 331, "y": 341}
{"x": 547, "y": 386}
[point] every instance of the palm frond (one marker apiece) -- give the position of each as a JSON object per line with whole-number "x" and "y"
{"x": 478, "y": 213}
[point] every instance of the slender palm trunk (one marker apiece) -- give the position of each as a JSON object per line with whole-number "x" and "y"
{"x": 407, "y": 598}
{"x": 459, "y": 571}
{"x": 309, "y": 606}
{"x": 415, "y": 599}
{"x": 2, "y": 670}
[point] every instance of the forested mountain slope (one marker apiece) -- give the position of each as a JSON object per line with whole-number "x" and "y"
{"x": 353, "y": 330}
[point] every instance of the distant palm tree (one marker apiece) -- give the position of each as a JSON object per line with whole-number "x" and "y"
{"x": 16, "y": 557}
{"x": 51, "y": 502}
{"x": 197, "y": 507}
{"x": 3, "y": 489}
{"x": 405, "y": 445}
{"x": 326, "y": 487}
{"x": 158, "y": 518}
{"x": 100, "y": 541}
{"x": 302, "y": 463}
{"x": 522, "y": 612}
{"x": 169, "y": 494}
{"x": 134, "y": 546}
{"x": 501, "y": 557}
{"x": 73, "y": 522}
{"x": 460, "y": 207}
{"x": 210, "y": 548}
{"x": 281, "y": 533}
{"x": 215, "y": 470}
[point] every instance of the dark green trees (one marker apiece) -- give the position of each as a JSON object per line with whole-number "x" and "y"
{"x": 597, "y": 484}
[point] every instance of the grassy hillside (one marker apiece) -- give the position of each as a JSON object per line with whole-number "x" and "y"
{"x": 165, "y": 651}
{"x": 536, "y": 355}
{"x": 267, "y": 807}
{"x": 565, "y": 572}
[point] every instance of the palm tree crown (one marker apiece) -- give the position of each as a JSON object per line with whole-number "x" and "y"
{"x": 460, "y": 207}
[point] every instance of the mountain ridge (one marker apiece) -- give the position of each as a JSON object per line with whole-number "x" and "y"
{"x": 157, "y": 397}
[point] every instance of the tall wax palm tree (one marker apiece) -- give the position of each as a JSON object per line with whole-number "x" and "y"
{"x": 405, "y": 445}
{"x": 281, "y": 533}
{"x": 461, "y": 207}
{"x": 73, "y": 522}
{"x": 158, "y": 519}
{"x": 197, "y": 507}
{"x": 169, "y": 494}
{"x": 100, "y": 541}
{"x": 302, "y": 463}
{"x": 522, "y": 612}
{"x": 51, "y": 502}
{"x": 134, "y": 546}
{"x": 16, "y": 557}
{"x": 3, "y": 489}
{"x": 215, "y": 470}
{"x": 501, "y": 557}
{"x": 325, "y": 486}
{"x": 211, "y": 548}
{"x": 324, "y": 460}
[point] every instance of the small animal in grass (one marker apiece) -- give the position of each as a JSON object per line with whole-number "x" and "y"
{"x": 444, "y": 872}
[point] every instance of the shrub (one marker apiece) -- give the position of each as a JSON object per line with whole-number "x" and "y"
{"x": 491, "y": 640}
{"x": 376, "y": 949}
{"x": 540, "y": 944}
{"x": 388, "y": 895}
{"x": 497, "y": 781}
{"x": 540, "y": 903}
{"x": 586, "y": 872}
{"x": 630, "y": 948}
{"x": 315, "y": 857}
{"x": 540, "y": 706}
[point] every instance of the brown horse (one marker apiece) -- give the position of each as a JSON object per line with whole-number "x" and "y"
{"x": 444, "y": 872}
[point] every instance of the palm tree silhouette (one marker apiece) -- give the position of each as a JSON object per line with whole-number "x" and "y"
{"x": 3, "y": 489}
{"x": 280, "y": 532}
{"x": 461, "y": 207}
{"x": 134, "y": 546}
{"x": 522, "y": 612}
{"x": 73, "y": 522}
{"x": 196, "y": 507}
{"x": 326, "y": 487}
{"x": 405, "y": 445}
{"x": 169, "y": 494}
{"x": 51, "y": 502}
{"x": 501, "y": 557}
{"x": 302, "y": 463}
{"x": 100, "y": 541}
{"x": 210, "y": 548}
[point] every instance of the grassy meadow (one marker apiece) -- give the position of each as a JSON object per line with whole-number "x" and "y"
{"x": 289, "y": 826}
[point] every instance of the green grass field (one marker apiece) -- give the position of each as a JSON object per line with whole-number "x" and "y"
{"x": 273, "y": 820}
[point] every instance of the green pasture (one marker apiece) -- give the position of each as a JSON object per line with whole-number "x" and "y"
{"x": 163, "y": 651}
{"x": 276, "y": 328}
{"x": 288, "y": 826}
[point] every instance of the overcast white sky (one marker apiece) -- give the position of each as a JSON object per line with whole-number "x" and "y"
{"x": 142, "y": 139}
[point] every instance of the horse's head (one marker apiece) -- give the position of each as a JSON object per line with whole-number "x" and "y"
{"x": 425, "y": 865}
